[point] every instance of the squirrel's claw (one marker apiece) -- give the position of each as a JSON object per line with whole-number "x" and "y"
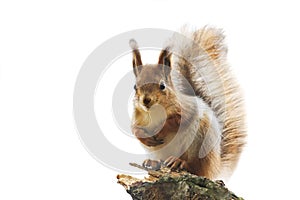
{"x": 152, "y": 164}
{"x": 176, "y": 163}
{"x": 146, "y": 139}
{"x": 151, "y": 141}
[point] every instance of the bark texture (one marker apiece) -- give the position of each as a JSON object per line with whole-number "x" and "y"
{"x": 166, "y": 184}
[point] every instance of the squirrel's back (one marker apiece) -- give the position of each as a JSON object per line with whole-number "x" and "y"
{"x": 200, "y": 56}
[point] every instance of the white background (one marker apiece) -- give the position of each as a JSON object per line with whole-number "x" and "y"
{"x": 43, "y": 45}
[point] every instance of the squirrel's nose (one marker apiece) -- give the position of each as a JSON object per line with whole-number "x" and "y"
{"x": 146, "y": 101}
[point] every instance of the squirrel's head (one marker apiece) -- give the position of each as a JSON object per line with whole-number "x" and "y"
{"x": 153, "y": 81}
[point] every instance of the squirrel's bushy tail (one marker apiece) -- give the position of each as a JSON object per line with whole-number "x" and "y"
{"x": 201, "y": 59}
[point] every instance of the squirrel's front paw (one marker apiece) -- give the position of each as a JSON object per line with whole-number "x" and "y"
{"x": 176, "y": 163}
{"x": 146, "y": 139}
{"x": 152, "y": 164}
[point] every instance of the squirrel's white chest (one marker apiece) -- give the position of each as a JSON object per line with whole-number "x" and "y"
{"x": 179, "y": 142}
{"x": 175, "y": 143}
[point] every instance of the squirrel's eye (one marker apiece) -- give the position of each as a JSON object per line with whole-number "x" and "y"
{"x": 162, "y": 86}
{"x": 134, "y": 87}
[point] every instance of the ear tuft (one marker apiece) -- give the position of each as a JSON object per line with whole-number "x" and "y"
{"x": 165, "y": 57}
{"x": 165, "y": 61}
{"x": 136, "y": 57}
{"x": 133, "y": 44}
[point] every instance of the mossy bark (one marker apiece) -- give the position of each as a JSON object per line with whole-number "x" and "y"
{"x": 166, "y": 184}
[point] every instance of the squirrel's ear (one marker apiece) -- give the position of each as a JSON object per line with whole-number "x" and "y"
{"x": 165, "y": 57}
{"x": 165, "y": 60}
{"x": 136, "y": 59}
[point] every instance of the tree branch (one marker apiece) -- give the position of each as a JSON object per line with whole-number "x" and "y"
{"x": 166, "y": 184}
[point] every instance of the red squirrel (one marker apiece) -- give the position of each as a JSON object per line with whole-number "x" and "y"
{"x": 203, "y": 133}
